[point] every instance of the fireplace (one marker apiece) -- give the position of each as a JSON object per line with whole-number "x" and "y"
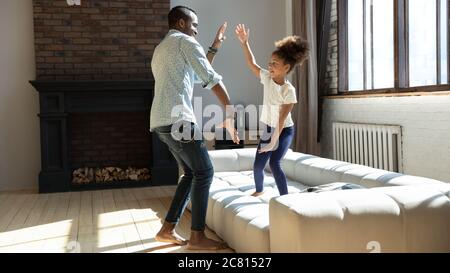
{"x": 94, "y": 135}
{"x": 95, "y": 89}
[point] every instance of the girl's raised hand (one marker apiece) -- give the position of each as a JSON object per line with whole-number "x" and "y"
{"x": 241, "y": 33}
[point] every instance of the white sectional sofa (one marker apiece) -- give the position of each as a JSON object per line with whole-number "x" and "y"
{"x": 391, "y": 212}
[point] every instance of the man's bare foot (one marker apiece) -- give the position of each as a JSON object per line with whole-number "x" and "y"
{"x": 199, "y": 241}
{"x": 256, "y": 194}
{"x": 167, "y": 234}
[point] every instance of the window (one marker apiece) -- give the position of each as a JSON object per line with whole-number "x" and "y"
{"x": 393, "y": 45}
{"x": 422, "y": 42}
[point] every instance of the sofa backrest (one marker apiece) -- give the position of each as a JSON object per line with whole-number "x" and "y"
{"x": 224, "y": 160}
{"x": 314, "y": 171}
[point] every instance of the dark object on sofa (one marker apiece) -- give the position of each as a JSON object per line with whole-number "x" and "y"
{"x": 333, "y": 187}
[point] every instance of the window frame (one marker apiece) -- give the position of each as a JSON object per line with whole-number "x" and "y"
{"x": 401, "y": 52}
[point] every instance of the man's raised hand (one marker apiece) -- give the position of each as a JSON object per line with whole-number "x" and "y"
{"x": 220, "y": 36}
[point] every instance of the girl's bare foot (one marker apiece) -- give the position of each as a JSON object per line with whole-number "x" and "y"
{"x": 167, "y": 234}
{"x": 256, "y": 194}
{"x": 199, "y": 241}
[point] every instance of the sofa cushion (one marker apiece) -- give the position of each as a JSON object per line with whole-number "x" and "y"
{"x": 224, "y": 160}
{"x": 238, "y": 180}
{"x": 271, "y": 192}
{"x": 397, "y": 219}
{"x": 317, "y": 171}
{"x": 334, "y": 221}
{"x": 240, "y": 220}
{"x": 221, "y": 175}
{"x": 426, "y": 217}
{"x": 378, "y": 178}
{"x": 290, "y": 160}
{"x": 406, "y": 180}
{"x": 245, "y": 183}
{"x": 231, "y": 208}
{"x": 217, "y": 195}
{"x": 217, "y": 205}
{"x": 246, "y": 158}
{"x": 251, "y": 229}
{"x": 442, "y": 187}
{"x": 367, "y": 176}
{"x": 233, "y": 233}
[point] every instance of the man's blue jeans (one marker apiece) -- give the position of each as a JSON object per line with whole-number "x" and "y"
{"x": 193, "y": 157}
{"x": 275, "y": 157}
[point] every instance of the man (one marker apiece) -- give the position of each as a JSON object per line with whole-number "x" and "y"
{"x": 179, "y": 61}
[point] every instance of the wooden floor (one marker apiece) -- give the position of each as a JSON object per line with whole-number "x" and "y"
{"x": 119, "y": 220}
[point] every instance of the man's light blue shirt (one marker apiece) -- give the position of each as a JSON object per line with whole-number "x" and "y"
{"x": 178, "y": 62}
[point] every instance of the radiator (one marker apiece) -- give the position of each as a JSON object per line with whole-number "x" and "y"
{"x": 377, "y": 146}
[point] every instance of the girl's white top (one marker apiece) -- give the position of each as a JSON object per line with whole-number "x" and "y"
{"x": 276, "y": 95}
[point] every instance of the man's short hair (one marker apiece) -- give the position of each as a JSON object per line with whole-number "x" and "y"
{"x": 179, "y": 12}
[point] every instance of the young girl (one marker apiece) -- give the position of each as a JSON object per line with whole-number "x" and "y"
{"x": 279, "y": 99}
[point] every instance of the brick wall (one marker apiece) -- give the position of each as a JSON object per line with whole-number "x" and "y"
{"x": 109, "y": 139}
{"x": 100, "y": 39}
{"x": 332, "y": 57}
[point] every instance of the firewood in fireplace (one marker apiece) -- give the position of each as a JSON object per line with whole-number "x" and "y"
{"x": 83, "y": 175}
{"x": 109, "y": 174}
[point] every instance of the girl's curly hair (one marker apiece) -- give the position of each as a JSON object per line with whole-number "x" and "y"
{"x": 293, "y": 50}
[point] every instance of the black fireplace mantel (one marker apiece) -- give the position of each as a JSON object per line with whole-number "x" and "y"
{"x": 93, "y": 96}
{"x": 58, "y": 99}
{"x": 92, "y": 85}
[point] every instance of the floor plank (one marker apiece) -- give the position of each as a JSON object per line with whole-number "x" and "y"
{"x": 119, "y": 220}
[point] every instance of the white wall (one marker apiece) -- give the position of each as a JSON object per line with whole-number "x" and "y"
{"x": 268, "y": 21}
{"x": 425, "y": 122}
{"x": 19, "y": 125}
